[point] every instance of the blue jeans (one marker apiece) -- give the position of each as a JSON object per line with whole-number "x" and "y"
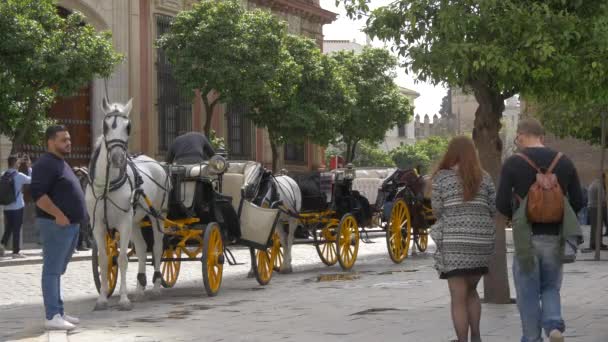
{"x": 58, "y": 245}
{"x": 538, "y": 292}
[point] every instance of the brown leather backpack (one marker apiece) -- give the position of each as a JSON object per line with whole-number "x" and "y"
{"x": 545, "y": 197}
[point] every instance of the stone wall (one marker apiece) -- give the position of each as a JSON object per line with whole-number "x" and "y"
{"x": 586, "y": 157}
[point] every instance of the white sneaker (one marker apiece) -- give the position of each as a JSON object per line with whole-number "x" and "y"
{"x": 556, "y": 336}
{"x": 58, "y": 323}
{"x": 71, "y": 319}
{"x": 19, "y": 256}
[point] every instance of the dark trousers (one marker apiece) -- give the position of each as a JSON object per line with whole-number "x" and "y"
{"x": 13, "y": 220}
{"x": 84, "y": 236}
{"x": 595, "y": 224}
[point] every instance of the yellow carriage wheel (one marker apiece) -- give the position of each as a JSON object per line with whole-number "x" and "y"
{"x": 423, "y": 240}
{"x": 170, "y": 266}
{"x": 348, "y": 241}
{"x": 277, "y": 253}
{"x": 112, "y": 256}
{"x": 261, "y": 263}
{"x": 325, "y": 244}
{"x": 213, "y": 259}
{"x": 399, "y": 232}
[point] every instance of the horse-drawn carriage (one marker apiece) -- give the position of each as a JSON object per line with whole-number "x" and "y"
{"x": 400, "y": 201}
{"x": 206, "y": 211}
{"x": 333, "y": 212}
{"x": 178, "y": 212}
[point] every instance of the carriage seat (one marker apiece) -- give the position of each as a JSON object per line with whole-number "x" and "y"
{"x": 184, "y": 181}
{"x": 368, "y": 187}
{"x": 374, "y": 173}
{"x": 238, "y": 175}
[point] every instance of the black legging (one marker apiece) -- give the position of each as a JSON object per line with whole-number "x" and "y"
{"x": 13, "y": 220}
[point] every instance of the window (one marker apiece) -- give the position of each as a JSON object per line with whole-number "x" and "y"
{"x": 295, "y": 153}
{"x": 174, "y": 105}
{"x": 240, "y": 132}
{"x": 401, "y": 131}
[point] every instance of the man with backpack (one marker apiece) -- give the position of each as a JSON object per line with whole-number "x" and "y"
{"x": 540, "y": 191}
{"x": 11, "y": 197}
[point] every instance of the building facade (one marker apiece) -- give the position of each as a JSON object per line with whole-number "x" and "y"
{"x": 160, "y": 109}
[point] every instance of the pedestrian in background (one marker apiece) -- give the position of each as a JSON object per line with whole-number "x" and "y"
{"x": 13, "y": 212}
{"x": 537, "y": 261}
{"x": 463, "y": 200}
{"x": 597, "y": 189}
{"x": 60, "y": 210}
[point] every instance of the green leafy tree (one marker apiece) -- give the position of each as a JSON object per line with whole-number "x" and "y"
{"x": 410, "y": 157}
{"x": 572, "y": 119}
{"x": 446, "y": 107}
{"x": 227, "y": 52}
{"x": 433, "y": 147}
{"x": 424, "y": 154}
{"x": 379, "y": 104}
{"x": 496, "y": 49}
{"x": 303, "y": 100}
{"x": 43, "y": 55}
{"x": 370, "y": 155}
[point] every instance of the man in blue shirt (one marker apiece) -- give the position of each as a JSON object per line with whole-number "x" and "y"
{"x": 13, "y": 213}
{"x": 60, "y": 208}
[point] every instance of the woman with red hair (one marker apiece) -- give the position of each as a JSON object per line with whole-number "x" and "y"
{"x": 463, "y": 200}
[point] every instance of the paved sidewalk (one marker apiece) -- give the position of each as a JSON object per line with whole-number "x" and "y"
{"x": 378, "y": 301}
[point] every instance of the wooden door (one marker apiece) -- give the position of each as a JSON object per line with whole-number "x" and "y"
{"x": 74, "y": 113}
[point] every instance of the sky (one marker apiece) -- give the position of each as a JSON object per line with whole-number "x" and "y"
{"x": 346, "y": 29}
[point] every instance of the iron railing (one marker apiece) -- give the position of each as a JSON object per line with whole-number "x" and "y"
{"x": 174, "y": 105}
{"x": 240, "y": 132}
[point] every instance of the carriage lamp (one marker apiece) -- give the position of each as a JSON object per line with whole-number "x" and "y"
{"x": 218, "y": 164}
{"x": 350, "y": 172}
{"x": 222, "y": 152}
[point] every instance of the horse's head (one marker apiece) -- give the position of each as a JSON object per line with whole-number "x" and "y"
{"x": 116, "y": 131}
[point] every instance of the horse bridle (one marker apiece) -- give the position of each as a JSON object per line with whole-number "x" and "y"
{"x": 115, "y": 143}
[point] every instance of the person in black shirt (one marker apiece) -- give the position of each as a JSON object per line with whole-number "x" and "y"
{"x": 190, "y": 148}
{"x": 60, "y": 208}
{"x": 544, "y": 282}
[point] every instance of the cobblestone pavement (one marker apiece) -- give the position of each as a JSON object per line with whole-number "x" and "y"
{"x": 378, "y": 300}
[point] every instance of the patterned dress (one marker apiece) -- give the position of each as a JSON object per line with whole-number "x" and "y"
{"x": 465, "y": 231}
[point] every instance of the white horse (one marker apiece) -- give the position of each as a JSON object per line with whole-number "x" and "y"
{"x": 114, "y": 201}
{"x": 286, "y": 190}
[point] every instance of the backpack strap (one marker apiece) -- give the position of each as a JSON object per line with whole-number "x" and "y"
{"x": 529, "y": 161}
{"x": 554, "y": 162}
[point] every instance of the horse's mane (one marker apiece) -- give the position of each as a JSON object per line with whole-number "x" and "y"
{"x": 94, "y": 156}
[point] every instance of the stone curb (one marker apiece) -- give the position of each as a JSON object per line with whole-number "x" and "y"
{"x": 57, "y": 336}
{"x": 36, "y": 261}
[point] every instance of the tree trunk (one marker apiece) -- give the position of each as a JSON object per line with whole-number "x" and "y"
{"x": 275, "y": 155}
{"x": 347, "y": 154}
{"x": 353, "y": 152}
{"x": 208, "y": 113}
{"x": 487, "y": 139}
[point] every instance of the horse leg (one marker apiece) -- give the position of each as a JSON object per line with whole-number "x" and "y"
{"x": 141, "y": 251}
{"x": 157, "y": 251}
{"x": 102, "y": 260}
{"x": 123, "y": 263}
{"x": 287, "y": 242}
